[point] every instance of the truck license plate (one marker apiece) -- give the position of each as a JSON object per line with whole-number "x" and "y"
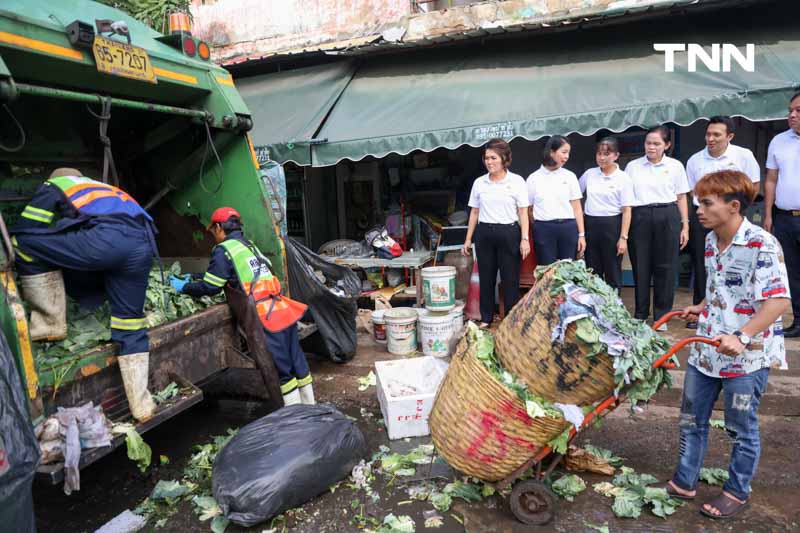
{"x": 121, "y": 59}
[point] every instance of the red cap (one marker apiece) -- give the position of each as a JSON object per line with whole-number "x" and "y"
{"x": 223, "y": 214}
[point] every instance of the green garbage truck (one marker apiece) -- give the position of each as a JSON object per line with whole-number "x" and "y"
{"x": 86, "y": 86}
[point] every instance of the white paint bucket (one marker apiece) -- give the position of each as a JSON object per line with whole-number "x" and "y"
{"x": 401, "y": 330}
{"x": 439, "y": 287}
{"x": 435, "y": 330}
{"x": 379, "y": 326}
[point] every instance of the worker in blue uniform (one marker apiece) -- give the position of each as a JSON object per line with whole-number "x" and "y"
{"x": 238, "y": 264}
{"x": 100, "y": 234}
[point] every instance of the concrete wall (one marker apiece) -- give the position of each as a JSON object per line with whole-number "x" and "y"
{"x": 241, "y": 29}
{"x": 248, "y": 27}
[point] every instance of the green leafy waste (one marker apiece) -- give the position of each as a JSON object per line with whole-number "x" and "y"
{"x": 194, "y": 487}
{"x": 631, "y": 494}
{"x": 568, "y": 486}
{"x": 646, "y": 346}
{"x": 714, "y": 476}
{"x": 138, "y": 450}
{"x": 89, "y": 329}
{"x": 602, "y": 453}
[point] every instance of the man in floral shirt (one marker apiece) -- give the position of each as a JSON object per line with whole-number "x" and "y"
{"x": 747, "y": 291}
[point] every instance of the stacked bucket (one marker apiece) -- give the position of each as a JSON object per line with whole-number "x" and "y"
{"x": 433, "y": 327}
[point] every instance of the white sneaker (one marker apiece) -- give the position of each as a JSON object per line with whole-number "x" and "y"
{"x": 662, "y": 327}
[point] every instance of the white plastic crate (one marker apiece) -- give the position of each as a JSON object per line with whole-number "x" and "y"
{"x": 406, "y": 389}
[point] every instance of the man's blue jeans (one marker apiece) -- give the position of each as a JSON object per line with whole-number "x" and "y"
{"x": 742, "y": 397}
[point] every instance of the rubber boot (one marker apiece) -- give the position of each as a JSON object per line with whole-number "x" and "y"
{"x": 292, "y": 398}
{"x": 134, "y": 368}
{"x": 307, "y": 394}
{"x": 47, "y": 300}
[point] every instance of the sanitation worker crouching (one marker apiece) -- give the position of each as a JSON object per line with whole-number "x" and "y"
{"x": 237, "y": 263}
{"x": 102, "y": 241}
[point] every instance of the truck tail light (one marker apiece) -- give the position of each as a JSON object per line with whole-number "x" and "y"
{"x": 189, "y": 46}
{"x": 203, "y": 50}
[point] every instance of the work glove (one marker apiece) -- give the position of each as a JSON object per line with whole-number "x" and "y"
{"x": 177, "y": 283}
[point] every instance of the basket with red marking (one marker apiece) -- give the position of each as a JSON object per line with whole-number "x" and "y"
{"x": 479, "y": 425}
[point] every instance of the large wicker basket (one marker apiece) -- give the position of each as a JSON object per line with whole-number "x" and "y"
{"x": 557, "y": 372}
{"x": 480, "y": 426}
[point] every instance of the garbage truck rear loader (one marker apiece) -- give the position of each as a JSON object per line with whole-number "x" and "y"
{"x": 86, "y": 86}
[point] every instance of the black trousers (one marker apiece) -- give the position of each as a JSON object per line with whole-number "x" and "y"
{"x": 787, "y": 230}
{"x": 554, "y": 240}
{"x": 602, "y": 234}
{"x": 654, "y": 245}
{"x": 697, "y": 249}
{"x": 497, "y": 247}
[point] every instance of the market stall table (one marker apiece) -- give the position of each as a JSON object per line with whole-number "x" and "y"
{"x": 412, "y": 260}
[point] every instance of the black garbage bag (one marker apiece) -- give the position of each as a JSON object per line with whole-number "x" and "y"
{"x": 334, "y": 306}
{"x": 19, "y": 450}
{"x": 283, "y": 460}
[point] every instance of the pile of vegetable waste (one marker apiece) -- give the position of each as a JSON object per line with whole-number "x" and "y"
{"x": 87, "y": 329}
{"x": 608, "y": 328}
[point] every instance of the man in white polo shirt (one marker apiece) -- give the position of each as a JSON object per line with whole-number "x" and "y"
{"x": 719, "y": 154}
{"x": 782, "y": 202}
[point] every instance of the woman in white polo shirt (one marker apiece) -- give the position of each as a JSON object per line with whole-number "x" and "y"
{"x": 499, "y": 222}
{"x": 609, "y": 197}
{"x": 659, "y": 223}
{"x": 555, "y": 197}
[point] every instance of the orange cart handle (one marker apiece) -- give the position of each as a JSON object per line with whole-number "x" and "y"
{"x": 678, "y": 346}
{"x": 663, "y": 362}
{"x": 667, "y": 317}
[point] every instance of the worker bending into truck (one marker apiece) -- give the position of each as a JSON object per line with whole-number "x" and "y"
{"x": 238, "y": 264}
{"x": 103, "y": 241}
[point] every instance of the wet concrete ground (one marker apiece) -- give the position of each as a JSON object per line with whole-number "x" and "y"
{"x": 648, "y": 443}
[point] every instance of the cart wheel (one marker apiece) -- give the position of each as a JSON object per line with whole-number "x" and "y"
{"x": 532, "y": 503}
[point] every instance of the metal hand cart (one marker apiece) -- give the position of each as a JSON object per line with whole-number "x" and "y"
{"x": 531, "y": 501}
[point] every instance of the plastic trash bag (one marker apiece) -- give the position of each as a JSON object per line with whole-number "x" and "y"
{"x": 80, "y": 427}
{"x": 283, "y": 460}
{"x": 333, "y": 308}
{"x": 19, "y": 451}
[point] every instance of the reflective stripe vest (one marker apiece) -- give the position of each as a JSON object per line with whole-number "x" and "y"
{"x": 275, "y": 311}
{"x": 94, "y": 198}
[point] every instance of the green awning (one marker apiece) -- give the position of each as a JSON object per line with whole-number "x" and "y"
{"x": 584, "y": 81}
{"x": 288, "y": 107}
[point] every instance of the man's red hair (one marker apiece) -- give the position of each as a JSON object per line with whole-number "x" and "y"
{"x": 728, "y": 184}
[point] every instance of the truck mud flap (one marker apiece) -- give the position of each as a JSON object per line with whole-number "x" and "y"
{"x": 188, "y": 396}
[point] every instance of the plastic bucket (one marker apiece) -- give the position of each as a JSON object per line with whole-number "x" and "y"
{"x": 379, "y": 326}
{"x": 435, "y": 330}
{"x": 439, "y": 287}
{"x": 458, "y": 315}
{"x": 401, "y": 330}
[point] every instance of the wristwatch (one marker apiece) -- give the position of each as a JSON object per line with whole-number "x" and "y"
{"x": 744, "y": 339}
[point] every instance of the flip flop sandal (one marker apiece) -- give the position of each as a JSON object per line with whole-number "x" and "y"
{"x": 726, "y": 506}
{"x": 673, "y": 493}
{"x": 484, "y": 325}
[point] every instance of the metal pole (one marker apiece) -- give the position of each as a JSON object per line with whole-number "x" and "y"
{"x": 50, "y": 92}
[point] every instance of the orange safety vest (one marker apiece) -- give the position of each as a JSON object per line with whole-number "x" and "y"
{"x": 276, "y": 312}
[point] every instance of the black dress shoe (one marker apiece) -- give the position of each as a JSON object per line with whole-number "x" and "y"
{"x": 691, "y": 325}
{"x": 793, "y": 331}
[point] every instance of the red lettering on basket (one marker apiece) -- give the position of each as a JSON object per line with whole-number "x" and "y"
{"x": 490, "y": 426}
{"x": 508, "y": 408}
